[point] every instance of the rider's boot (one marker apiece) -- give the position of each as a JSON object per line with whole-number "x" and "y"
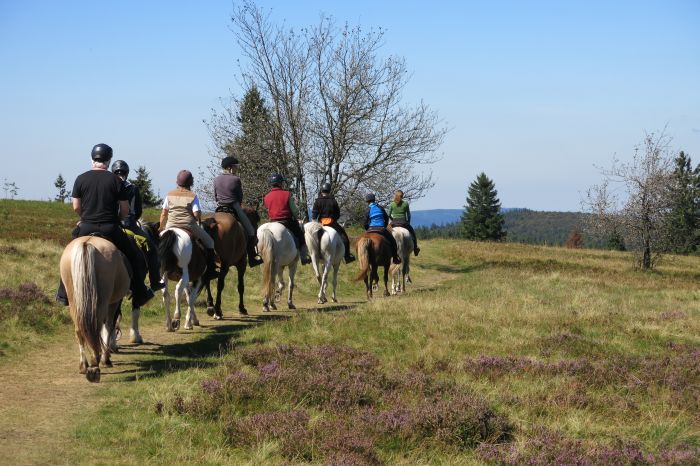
{"x": 211, "y": 272}
{"x": 349, "y": 257}
{"x": 253, "y": 259}
{"x": 154, "y": 270}
{"x": 61, "y": 296}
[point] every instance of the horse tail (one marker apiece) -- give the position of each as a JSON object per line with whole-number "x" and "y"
{"x": 313, "y": 238}
{"x": 364, "y": 251}
{"x": 267, "y": 254}
{"x": 85, "y": 294}
{"x": 168, "y": 259}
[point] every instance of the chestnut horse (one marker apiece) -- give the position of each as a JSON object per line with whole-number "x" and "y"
{"x": 373, "y": 251}
{"x": 230, "y": 243}
{"x": 96, "y": 279}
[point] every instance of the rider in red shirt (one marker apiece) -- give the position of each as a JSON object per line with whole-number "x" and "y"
{"x": 281, "y": 208}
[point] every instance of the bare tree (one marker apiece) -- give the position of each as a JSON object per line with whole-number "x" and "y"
{"x": 634, "y": 200}
{"x": 335, "y": 109}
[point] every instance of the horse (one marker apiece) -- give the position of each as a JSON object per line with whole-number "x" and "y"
{"x": 278, "y": 250}
{"x": 185, "y": 263}
{"x": 324, "y": 244}
{"x": 400, "y": 272}
{"x": 230, "y": 243}
{"x": 373, "y": 251}
{"x": 96, "y": 277}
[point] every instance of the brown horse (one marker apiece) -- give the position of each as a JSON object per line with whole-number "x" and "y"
{"x": 373, "y": 251}
{"x": 231, "y": 246}
{"x": 96, "y": 279}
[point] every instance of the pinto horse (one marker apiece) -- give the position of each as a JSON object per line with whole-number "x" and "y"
{"x": 278, "y": 250}
{"x": 400, "y": 272}
{"x": 324, "y": 245}
{"x": 231, "y": 244}
{"x": 183, "y": 262}
{"x": 373, "y": 251}
{"x": 96, "y": 279}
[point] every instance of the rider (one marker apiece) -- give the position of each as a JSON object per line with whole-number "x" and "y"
{"x": 121, "y": 169}
{"x": 181, "y": 209}
{"x": 376, "y": 220}
{"x": 400, "y": 215}
{"x": 99, "y": 198}
{"x": 281, "y": 208}
{"x": 327, "y": 211}
{"x": 228, "y": 192}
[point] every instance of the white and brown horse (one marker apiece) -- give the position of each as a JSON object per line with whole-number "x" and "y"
{"x": 327, "y": 250}
{"x": 96, "y": 278}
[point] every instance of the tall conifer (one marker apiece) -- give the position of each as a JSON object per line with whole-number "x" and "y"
{"x": 482, "y": 219}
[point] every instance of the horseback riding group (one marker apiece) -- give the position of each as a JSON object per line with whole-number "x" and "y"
{"x": 184, "y": 247}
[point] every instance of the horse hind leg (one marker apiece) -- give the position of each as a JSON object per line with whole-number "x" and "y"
{"x": 134, "y": 334}
{"x": 292, "y": 273}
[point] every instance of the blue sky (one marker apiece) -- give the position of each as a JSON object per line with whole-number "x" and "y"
{"x": 535, "y": 94}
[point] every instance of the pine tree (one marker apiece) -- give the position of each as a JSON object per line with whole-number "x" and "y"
{"x": 143, "y": 182}
{"x": 482, "y": 219}
{"x": 685, "y": 205}
{"x": 254, "y": 147}
{"x": 60, "y": 184}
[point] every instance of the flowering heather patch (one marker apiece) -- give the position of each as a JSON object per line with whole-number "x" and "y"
{"x": 673, "y": 315}
{"x": 548, "y": 447}
{"x": 496, "y": 366}
{"x": 26, "y": 292}
{"x": 9, "y": 250}
{"x": 30, "y": 306}
{"x": 357, "y": 406}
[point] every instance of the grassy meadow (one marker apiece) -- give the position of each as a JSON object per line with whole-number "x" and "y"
{"x": 497, "y": 354}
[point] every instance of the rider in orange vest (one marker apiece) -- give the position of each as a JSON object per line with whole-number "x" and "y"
{"x": 327, "y": 211}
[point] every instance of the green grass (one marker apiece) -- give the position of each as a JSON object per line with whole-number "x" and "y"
{"x": 505, "y": 323}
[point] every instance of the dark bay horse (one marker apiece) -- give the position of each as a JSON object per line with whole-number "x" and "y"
{"x": 96, "y": 279}
{"x": 373, "y": 251}
{"x": 231, "y": 246}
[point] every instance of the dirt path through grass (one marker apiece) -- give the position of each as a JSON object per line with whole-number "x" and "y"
{"x": 43, "y": 393}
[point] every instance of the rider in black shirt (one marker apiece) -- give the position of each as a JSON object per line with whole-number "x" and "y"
{"x": 326, "y": 211}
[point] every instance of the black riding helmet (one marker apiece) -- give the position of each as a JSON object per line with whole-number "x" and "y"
{"x": 101, "y": 153}
{"x": 276, "y": 179}
{"x": 369, "y": 197}
{"x": 326, "y": 188}
{"x": 228, "y": 162}
{"x": 120, "y": 166}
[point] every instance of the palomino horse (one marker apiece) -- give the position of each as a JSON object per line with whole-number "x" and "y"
{"x": 278, "y": 250}
{"x": 373, "y": 251}
{"x": 96, "y": 279}
{"x": 324, "y": 244}
{"x": 400, "y": 272}
{"x": 230, "y": 243}
{"x": 184, "y": 263}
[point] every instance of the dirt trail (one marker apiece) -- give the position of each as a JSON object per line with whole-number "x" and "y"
{"x": 42, "y": 392}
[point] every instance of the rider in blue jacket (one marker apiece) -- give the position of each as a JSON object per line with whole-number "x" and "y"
{"x": 376, "y": 220}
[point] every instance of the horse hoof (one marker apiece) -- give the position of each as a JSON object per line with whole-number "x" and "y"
{"x": 322, "y": 301}
{"x": 175, "y": 324}
{"x": 334, "y": 300}
{"x": 218, "y": 317}
{"x": 273, "y": 306}
{"x": 136, "y": 339}
{"x": 82, "y": 368}
{"x": 107, "y": 363}
{"x": 117, "y": 333}
{"x": 386, "y": 293}
{"x": 196, "y": 323}
{"x": 93, "y": 374}
{"x": 291, "y": 306}
{"x": 243, "y": 311}
{"x": 211, "y": 311}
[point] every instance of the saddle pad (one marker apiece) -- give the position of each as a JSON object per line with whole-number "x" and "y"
{"x": 326, "y": 221}
{"x": 140, "y": 240}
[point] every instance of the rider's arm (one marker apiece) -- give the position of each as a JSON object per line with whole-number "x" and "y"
{"x": 76, "y": 205}
{"x": 293, "y": 207}
{"x": 196, "y": 209}
{"x": 314, "y": 211}
{"x": 138, "y": 204}
{"x": 163, "y": 215}
{"x": 408, "y": 213}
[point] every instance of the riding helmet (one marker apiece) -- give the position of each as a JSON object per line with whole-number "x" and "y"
{"x": 326, "y": 188}
{"x": 369, "y": 197}
{"x": 120, "y": 166}
{"x": 229, "y": 161}
{"x": 185, "y": 179}
{"x": 276, "y": 179}
{"x": 101, "y": 153}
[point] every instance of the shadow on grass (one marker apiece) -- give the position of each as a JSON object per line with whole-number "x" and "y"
{"x": 161, "y": 359}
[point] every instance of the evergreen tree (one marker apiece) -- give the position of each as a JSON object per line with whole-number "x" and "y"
{"x": 254, "y": 147}
{"x": 482, "y": 219}
{"x": 143, "y": 182}
{"x": 60, "y": 184}
{"x": 685, "y": 205}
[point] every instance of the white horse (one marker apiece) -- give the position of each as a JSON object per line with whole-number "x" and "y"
{"x": 400, "y": 272}
{"x": 324, "y": 244}
{"x": 180, "y": 261}
{"x": 278, "y": 250}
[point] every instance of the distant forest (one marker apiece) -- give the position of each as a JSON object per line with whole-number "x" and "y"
{"x": 527, "y": 226}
